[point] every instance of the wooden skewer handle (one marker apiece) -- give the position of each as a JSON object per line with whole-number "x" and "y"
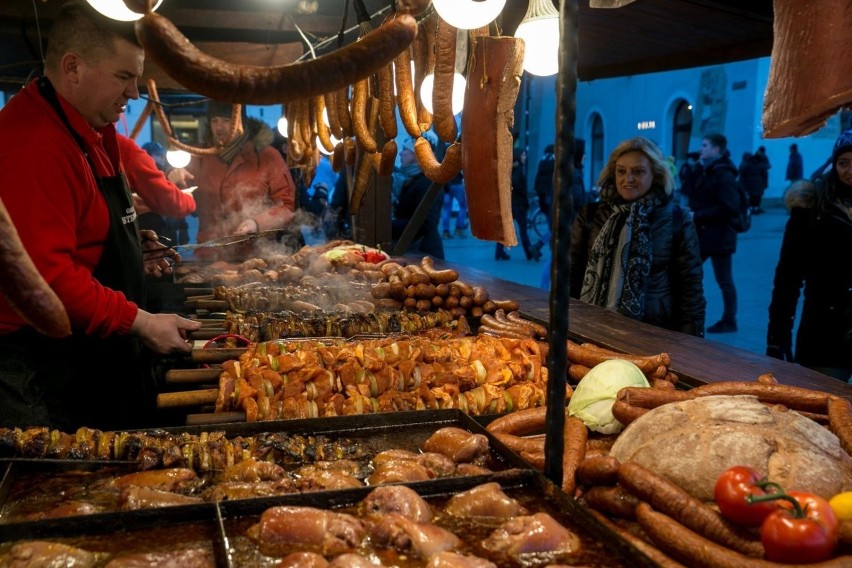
{"x": 215, "y": 355}
{"x": 186, "y": 398}
{"x": 190, "y": 376}
{"x": 206, "y": 333}
{"x": 214, "y": 418}
{"x": 212, "y": 305}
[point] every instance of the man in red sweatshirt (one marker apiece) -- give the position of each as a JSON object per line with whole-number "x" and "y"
{"x": 63, "y": 181}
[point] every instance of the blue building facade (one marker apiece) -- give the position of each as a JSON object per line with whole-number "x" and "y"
{"x": 674, "y": 109}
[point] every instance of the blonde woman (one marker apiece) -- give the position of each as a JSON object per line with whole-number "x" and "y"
{"x": 635, "y": 251}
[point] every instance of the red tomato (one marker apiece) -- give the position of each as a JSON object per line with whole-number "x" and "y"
{"x": 732, "y": 487}
{"x": 800, "y": 534}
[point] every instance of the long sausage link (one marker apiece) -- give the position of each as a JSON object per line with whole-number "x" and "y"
{"x": 590, "y": 356}
{"x": 323, "y": 130}
{"x": 361, "y": 93}
{"x": 519, "y": 423}
{"x": 642, "y": 546}
{"x": 405, "y": 99}
{"x": 423, "y": 55}
{"x": 840, "y": 420}
{"x": 387, "y": 104}
{"x": 344, "y": 115}
{"x": 697, "y": 551}
{"x": 363, "y": 179}
{"x": 671, "y": 499}
{"x": 576, "y": 435}
{"x": 795, "y": 398}
{"x": 388, "y": 157}
{"x": 212, "y": 77}
{"x": 331, "y": 112}
{"x": 295, "y": 148}
{"x": 24, "y": 287}
{"x": 442, "y": 92}
{"x": 438, "y": 172}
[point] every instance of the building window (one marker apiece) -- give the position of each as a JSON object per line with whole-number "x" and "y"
{"x": 597, "y": 150}
{"x": 682, "y": 130}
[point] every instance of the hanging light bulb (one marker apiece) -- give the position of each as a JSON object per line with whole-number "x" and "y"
{"x": 459, "y": 85}
{"x": 117, "y": 10}
{"x": 282, "y": 126}
{"x": 178, "y": 158}
{"x": 468, "y": 14}
{"x": 321, "y": 148}
{"x": 540, "y": 31}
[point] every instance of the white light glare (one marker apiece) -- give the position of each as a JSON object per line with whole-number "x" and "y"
{"x": 178, "y": 158}
{"x": 117, "y": 10}
{"x": 468, "y": 14}
{"x": 459, "y": 84}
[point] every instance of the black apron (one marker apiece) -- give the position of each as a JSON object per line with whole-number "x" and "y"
{"x": 83, "y": 380}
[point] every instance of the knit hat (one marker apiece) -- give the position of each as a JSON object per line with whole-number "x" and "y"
{"x": 843, "y": 144}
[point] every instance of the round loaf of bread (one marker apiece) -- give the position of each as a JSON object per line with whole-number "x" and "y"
{"x": 691, "y": 442}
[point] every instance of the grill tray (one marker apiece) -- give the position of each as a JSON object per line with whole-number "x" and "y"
{"x": 221, "y": 526}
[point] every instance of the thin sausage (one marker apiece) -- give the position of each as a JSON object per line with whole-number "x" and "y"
{"x": 840, "y": 420}
{"x": 538, "y": 329}
{"x": 365, "y": 139}
{"x": 323, "y": 131}
{"x": 227, "y": 82}
{"x": 576, "y": 372}
{"x": 795, "y": 398}
{"x": 612, "y": 501}
{"x": 388, "y": 158}
{"x": 363, "y": 179}
{"x": 642, "y": 546}
{"x": 699, "y": 552}
{"x": 665, "y": 496}
{"x": 576, "y": 434}
{"x": 442, "y": 93}
{"x": 387, "y": 103}
{"x": 589, "y": 356}
{"x": 598, "y": 471}
{"x": 344, "y": 117}
{"x": 438, "y": 172}
{"x": 405, "y": 93}
{"x": 25, "y": 288}
{"x": 519, "y": 423}
{"x": 506, "y": 305}
{"x": 331, "y": 111}
{"x": 438, "y": 276}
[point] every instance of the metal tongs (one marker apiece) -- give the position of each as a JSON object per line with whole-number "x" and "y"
{"x": 228, "y": 240}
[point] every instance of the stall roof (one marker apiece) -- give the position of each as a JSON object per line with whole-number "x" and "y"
{"x": 642, "y": 37}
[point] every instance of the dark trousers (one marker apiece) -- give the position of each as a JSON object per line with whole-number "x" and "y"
{"x": 723, "y": 271}
{"x": 523, "y": 234}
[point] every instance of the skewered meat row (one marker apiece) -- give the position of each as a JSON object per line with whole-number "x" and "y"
{"x": 478, "y": 375}
{"x": 257, "y": 297}
{"x": 154, "y": 449}
{"x": 267, "y": 326}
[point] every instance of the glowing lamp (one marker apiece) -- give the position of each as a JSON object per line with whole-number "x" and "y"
{"x": 468, "y": 14}
{"x": 540, "y": 31}
{"x": 459, "y": 84}
{"x": 178, "y": 158}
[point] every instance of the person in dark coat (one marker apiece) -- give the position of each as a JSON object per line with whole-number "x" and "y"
{"x": 753, "y": 178}
{"x": 815, "y": 254}
{"x": 543, "y": 183}
{"x": 635, "y": 251}
{"x": 795, "y": 165}
{"x": 413, "y": 188}
{"x": 714, "y": 200}
{"x": 520, "y": 208}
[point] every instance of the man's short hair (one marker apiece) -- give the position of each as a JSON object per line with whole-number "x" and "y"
{"x": 717, "y": 140}
{"x": 80, "y": 28}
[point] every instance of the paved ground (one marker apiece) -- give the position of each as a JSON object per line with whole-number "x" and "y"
{"x": 754, "y": 269}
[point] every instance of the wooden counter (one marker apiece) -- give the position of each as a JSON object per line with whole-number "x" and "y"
{"x": 695, "y": 360}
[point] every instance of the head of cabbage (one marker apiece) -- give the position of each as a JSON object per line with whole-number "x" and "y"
{"x": 595, "y": 394}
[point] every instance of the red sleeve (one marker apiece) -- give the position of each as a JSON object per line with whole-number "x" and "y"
{"x": 282, "y": 190}
{"x": 62, "y": 219}
{"x": 161, "y": 195}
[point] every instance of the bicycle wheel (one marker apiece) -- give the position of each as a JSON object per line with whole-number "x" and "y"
{"x": 538, "y": 223}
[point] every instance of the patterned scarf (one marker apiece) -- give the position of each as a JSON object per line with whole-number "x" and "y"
{"x": 620, "y": 259}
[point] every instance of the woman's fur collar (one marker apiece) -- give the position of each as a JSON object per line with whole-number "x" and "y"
{"x": 801, "y": 193}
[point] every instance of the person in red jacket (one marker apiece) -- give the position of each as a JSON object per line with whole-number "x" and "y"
{"x": 245, "y": 188}
{"x": 62, "y": 178}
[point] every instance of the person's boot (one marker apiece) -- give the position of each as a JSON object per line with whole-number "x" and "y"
{"x": 723, "y": 326}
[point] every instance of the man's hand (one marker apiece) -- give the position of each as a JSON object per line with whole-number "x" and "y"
{"x": 180, "y": 177}
{"x": 246, "y": 227}
{"x": 164, "y": 334}
{"x": 157, "y": 258}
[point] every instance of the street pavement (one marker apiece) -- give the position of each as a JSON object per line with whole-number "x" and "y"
{"x": 754, "y": 270}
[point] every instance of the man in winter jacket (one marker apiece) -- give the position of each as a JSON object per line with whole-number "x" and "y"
{"x": 246, "y": 188}
{"x": 714, "y": 200}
